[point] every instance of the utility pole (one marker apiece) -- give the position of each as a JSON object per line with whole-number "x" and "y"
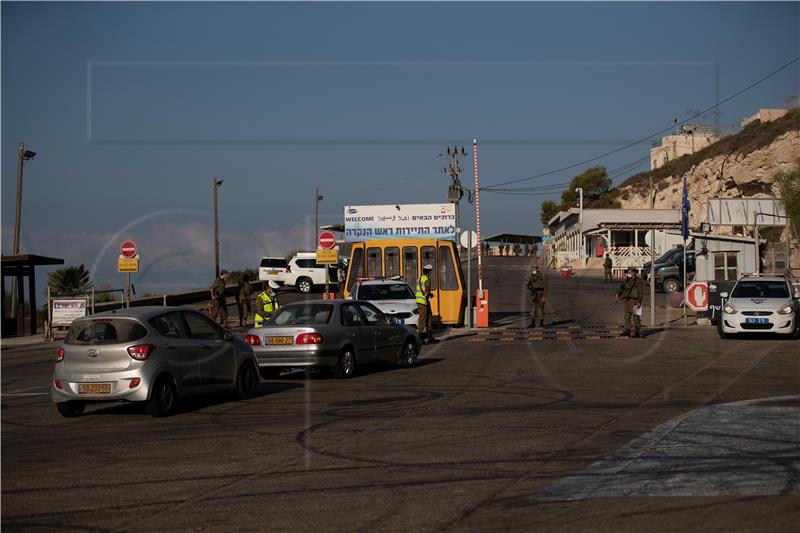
{"x": 317, "y": 200}
{"x": 455, "y": 191}
{"x": 22, "y": 156}
{"x": 580, "y": 224}
{"x": 216, "y": 183}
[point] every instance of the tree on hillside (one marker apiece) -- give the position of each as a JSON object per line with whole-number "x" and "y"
{"x": 69, "y": 280}
{"x": 790, "y": 193}
{"x": 549, "y": 210}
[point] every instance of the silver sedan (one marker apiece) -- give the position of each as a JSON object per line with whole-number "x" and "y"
{"x": 338, "y": 335}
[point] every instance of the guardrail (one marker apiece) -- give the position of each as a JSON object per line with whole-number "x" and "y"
{"x": 181, "y": 298}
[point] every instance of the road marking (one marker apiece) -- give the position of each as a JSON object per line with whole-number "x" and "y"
{"x": 26, "y": 392}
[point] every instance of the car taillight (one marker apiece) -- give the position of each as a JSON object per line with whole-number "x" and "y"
{"x": 134, "y": 383}
{"x": 253, "y": 340}
{"x": 309, "y": 338}
{"x": 59, "y": 355}
{"x": 288, "y": 269}
{"x": 140, "y": 352}
{"x": 58, "y": 384}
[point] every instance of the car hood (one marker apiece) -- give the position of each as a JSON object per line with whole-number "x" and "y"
{"x": 759, "y": 304}
{"x": 391, "y": 307}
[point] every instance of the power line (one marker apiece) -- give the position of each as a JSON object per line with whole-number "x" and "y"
{"x": 644, "y": 139}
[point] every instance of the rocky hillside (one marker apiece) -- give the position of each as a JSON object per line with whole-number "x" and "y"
{"x": 741, "y": 165}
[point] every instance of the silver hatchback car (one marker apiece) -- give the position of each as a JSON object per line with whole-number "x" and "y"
{"x": 149, "y": 354}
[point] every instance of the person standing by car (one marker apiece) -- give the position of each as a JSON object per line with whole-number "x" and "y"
{"x": 266, "y": 303}
{"x": 243, "y": 299}
{"x": 219, "y": 310}
{"x": 607, "y": 265}
{"x": 537, "y": 295}
{"x": 424, "y": 296}
{"x": 631, "y": 292}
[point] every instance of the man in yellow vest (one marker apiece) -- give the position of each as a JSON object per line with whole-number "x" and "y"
{"x": 424, "y": 296}
{"x": 266, "y": 303}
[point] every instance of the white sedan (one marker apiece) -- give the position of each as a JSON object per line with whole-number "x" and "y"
{"x": 393, "y": 297}
{"x": 760, "y": 305}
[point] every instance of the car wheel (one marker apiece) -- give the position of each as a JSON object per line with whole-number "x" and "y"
{"x": 409, "y": 357}
{"x": 671, "y": 285}
{"x": 163, "y": 398}
{"x": 71, "y": 409}
{"x": 270, "y": 372}
{"x": 304, "y": 285}
{"x": 346, "y": 367}
{"x": 247, "y": 382}
{"x": 722, "y": 334}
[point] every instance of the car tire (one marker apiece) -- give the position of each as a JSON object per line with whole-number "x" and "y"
{"x": 246, "y": 382}
{"x": 409, "y": 355}
{"x": 346, "y": 367}
{"x": 671, "y": 285}
{"x": 71, "y": 409}
{"x": 722, "y": 334}
{"x": 305, "y": 285}
{"x": 163, "y": 398}
{"x": 269, "y": 372}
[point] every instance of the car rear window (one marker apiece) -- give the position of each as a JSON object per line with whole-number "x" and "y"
{"x": 385, "y": 291}
{"x": 273, "y": 263}
{"x": 310, "y": 314}
{"x": 105, "y": 331}
{"x": 760, "y": 289}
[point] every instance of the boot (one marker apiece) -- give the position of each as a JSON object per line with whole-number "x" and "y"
{"x": 541, "y": 322}
{"x": 636, "y": 334}
{"x": 626, "y": 333}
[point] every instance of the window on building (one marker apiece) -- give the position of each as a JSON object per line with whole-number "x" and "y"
{"x": 621, "y": 238}
{"x": 391, "y": 261}
{"x": 726, "y": 267}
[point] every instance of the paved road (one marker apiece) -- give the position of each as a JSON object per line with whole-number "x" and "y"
{"x": 679, "y": 431}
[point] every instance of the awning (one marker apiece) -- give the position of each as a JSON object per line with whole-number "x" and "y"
{"x": 513, "y": 238}
{"x": 639, "y": 225}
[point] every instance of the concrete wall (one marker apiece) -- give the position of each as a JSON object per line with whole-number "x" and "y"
{"x": 674, "y": 146}
{"x": 765, "y": 115}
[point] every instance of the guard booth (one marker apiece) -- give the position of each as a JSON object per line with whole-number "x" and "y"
{"x": 20, "y": 317}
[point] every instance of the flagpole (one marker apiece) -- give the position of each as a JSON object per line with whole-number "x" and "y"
{"x": 685, "y": 252}
{"x": 685, "y": 208}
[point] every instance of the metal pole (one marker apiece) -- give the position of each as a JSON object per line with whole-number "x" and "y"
{"x": 316, "y": 213}
{"x": 469, "y": 279}
{"x": 653, "y": 278}
{"x": 93, "y": 297}
{"x": 20, "y": 163}
{"x": 216, "y": 183}
{"x": 685, "y": 251}
{"x": 477, "y": 214}
{"x": 129, "y": 290}
{"x": 49, "y": 328}
{"x": 758, "y": 247}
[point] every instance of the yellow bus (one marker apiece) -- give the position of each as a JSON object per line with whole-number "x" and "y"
{"x": 405, "y": 258}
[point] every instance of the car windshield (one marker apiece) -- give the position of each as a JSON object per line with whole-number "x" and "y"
{"x": 669, "y": 256}
{"x": 307, "y": 314}
{"x": 104, "y": 331}
{"x": 760, "y": 289}
{"x": 385, "y": 291}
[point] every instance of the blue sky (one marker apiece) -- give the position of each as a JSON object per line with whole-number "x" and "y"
{"x": 133, "y": 108}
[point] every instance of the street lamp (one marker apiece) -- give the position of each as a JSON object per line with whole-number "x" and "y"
{"x": 317, "y": 200}
{"x": 24, "y": 155}
{"x": 216, "y": 184}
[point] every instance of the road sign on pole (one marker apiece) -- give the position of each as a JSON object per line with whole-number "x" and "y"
{"x": 327, "y": 240}
{"x": 697, "y": 296}
{"x": 127, "y": 249}
{"x": 469, "y": 239}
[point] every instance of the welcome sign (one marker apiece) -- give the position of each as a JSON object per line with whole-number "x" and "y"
{"x": 410, "y": 221}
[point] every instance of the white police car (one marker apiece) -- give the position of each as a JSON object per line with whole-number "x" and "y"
{"x": 394, "y": 297}
{"x": 760, "y": 304}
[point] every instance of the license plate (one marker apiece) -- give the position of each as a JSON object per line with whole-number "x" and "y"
{"x": 94, "y": 388}
{"x": 272, "y": 272}
{"x": 756, "y": 321}
{"x": 279, "y": 340}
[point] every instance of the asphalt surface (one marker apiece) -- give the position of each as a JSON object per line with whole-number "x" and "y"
{"x": 494, "y": 430}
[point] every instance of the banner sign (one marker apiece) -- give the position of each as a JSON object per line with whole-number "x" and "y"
{"x": 65, "y": 311}
{"x": 410, "y": 221}
{"x": 746, "y": 212}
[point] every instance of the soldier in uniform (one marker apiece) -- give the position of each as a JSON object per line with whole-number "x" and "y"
{"x": 424, "y": 295}
{"x": 607, "y": 264}
{"x": 219, "y": 311}
{"x": 537, "y": 289}
{"x": 631, "y": 293}
{"x": 243, "y": 299}
{"x": 266, "y": 303}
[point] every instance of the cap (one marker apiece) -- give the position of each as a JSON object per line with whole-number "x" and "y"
{"x": 273, "y": 284}
{"x": 223, "y": 272}
{"x": 427, "y": 267}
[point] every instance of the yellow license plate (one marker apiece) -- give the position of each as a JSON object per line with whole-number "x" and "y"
{"x": 280, "y": 340}
{"x": 272, "y": 272}
{"x": 94, "y": 388}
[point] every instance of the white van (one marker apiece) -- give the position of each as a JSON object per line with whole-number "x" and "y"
{"x": 272, "y": 269}
{"x": 304, "y": 273}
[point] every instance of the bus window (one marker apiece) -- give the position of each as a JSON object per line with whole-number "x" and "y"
{"x": 391, "y": 261}
{"x": 374, "y": 262}
{"x": 447, "y": 270}
{"x": 428, "y": 257}
{"x": 410, "y": 270}
{"x": 356, "y": 267}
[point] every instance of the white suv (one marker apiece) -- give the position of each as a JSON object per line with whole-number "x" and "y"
{"x": 304, "y": 273}
{"x": 272, "y": 269}
{"x": 760, "y": 305}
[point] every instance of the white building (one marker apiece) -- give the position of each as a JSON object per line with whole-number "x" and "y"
{"x": 765, "y": 115}
{"x": 690, "y": 139}
{"x": 581, "y": 239}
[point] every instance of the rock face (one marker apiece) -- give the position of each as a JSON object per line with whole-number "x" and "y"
{"x": 732, "y": 175}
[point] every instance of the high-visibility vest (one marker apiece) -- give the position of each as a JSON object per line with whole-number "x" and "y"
{"x": 422, "y": 298}
{"x": 266, "y": 306}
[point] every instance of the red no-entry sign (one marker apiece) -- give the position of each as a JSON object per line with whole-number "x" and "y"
{"x": 128, "y": 249}
{"x": 327, "y": 240}
{"x": 697, "y": 296}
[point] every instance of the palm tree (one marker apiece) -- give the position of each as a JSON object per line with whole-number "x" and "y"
{"x": 69, "y": 281}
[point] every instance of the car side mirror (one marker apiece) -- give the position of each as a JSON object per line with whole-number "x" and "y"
{"x": 797, "y": 295}
{"x": 227, "y": 336}
{"x": 723, "y": 295}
